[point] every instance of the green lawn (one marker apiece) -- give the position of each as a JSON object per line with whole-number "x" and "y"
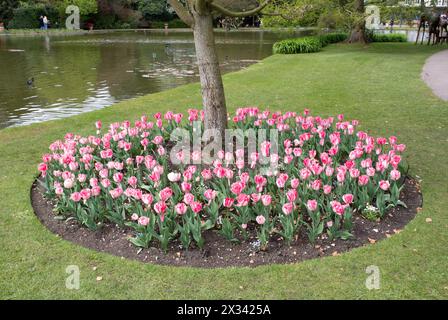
{"x": 379, "y": 85}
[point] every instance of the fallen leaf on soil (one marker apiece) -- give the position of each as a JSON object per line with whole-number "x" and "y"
{"x": 419, "y": 209}
{"x": 429, "y": 220}
{"x": 371, "y": 240}
{"x": 335, "y": 254}
{"x": 99, "y": 278}
{"x": 94, "y": 268}
{"x": 397, "y": 231}
{"x": 388, "y": 235}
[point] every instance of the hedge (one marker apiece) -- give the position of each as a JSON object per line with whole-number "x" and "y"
{"x": 307, "y": 44}
{"x": 391, "y": 37}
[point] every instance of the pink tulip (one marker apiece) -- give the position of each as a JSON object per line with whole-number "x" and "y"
{"x": 237, "y": 187}
{"x": 210, "y": 194}
{"x": 186, "y": 187}
{"x": 311, "y": 205}
{"x": 118, "y": 177}
{"x": 115, "y": 193}
{"x": 196, "y": 206}
{"x": 105, "y": 183}
{"x": 160, "y": 207}
{"x": 180, "y": 208}
{"x": 157, "y": 140}
{"x": 75, "y": 196}
{"x": 143, "y": 221}
{"x": 266, "y": 200}
{"x": 85, "y": 194}
{"x": 68, "y": 184}
{"x": 188, "y": 198}
{"x": 242, "y": 200}
{"x": 292, "y": 195}
{"x": 255, "y": 197}
{"x": 384, "y": 185}
{"x": 228, "y": 202}
{"x": 96, "y": 191}
{"x": 165, "y": 194}
{"x": 395, "y": 175}
{"x": 363, "y": 180}
{"x": 347, "y": 198}
{"x": 295, "y": 183}
{"x": 206, "y": 174}
{"x": 337, "y": 207}
{"x": 147, "y": 199}
{"x": 288, "y": 208}
{"x": 260, "y": 219}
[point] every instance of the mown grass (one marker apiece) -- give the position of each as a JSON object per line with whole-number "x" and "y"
{"x": 379, "y": 85}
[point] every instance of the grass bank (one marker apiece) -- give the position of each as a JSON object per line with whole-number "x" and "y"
{"x": 380, "y": 85}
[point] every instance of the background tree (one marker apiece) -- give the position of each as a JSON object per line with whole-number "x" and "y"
{"x": 153, "y": 9}
{"x": 86, "y": 7}
{"x": 6, "y": 9}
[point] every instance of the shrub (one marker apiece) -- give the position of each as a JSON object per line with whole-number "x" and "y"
{"x": 391, "y": 37}
{"x": 331, "y": 38}
{"x": 300, "y": 45}
{"x": 314, "y": 177}
{"x": 307, "y": 44}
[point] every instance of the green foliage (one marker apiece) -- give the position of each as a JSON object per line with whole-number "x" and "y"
{"x": 294, "y": 13}
{"x": 389, "y": 37}
{"x": 330, "y": 38}
{"x": 307, "y": 44}
{"x": 6, "y": 9}
{"x": 151, "y": 9}
{"x": 27, "y": 16}
{"x": 334, "y": 19}
{"x": 86, "y": 7}
{"x": 300, "y": 45}
{"x": 400, "y": 13}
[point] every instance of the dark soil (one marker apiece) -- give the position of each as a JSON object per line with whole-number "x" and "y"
{"x": 219, "y": 252}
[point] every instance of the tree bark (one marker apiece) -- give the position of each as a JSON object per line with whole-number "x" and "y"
{"x": 213, "y": 98}
{"x": 358, "y": 34}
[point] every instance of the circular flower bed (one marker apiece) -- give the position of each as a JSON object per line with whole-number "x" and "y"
{"x": 308, "y": 175}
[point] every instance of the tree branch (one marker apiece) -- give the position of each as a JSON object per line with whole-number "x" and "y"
{"x": 182, "y": 12}
{"x": 274, "y": 14}
{"x": 230, "y": 13}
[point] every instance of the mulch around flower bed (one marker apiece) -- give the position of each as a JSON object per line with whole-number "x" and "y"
{"x": 218, "y": 252}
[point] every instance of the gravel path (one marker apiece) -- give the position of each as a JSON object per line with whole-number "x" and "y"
{"x": 435, "y": 74}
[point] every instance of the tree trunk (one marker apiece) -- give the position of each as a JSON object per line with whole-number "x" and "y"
{"x": 213, "y": 98}
{"x": 358, "y": 34}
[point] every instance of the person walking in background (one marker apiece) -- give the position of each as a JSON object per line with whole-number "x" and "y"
{"x": 45, "y": 22}
{"x": 41, "y": 22}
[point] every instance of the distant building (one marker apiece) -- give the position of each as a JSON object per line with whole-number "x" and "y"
{"x": 428, "y": 3}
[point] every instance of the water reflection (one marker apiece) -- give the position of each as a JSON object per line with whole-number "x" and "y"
{"x": 82, "y": 73}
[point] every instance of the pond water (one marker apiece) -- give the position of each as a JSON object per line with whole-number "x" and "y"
{"x": 74, "y": 74}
